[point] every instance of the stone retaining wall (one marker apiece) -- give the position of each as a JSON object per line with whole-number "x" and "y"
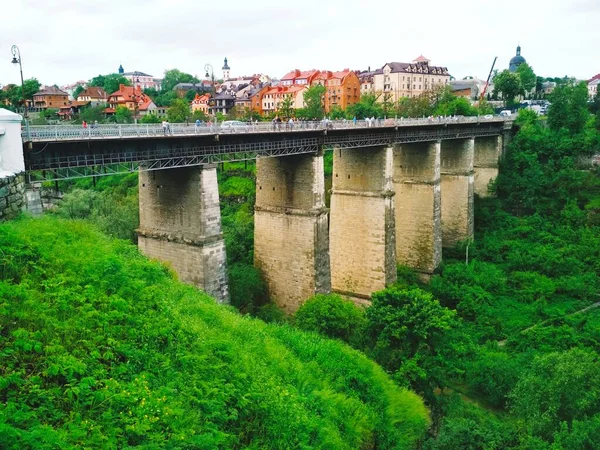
{"x": 12, "y": 196}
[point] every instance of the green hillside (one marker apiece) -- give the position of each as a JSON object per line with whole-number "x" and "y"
{"x": 100, "y": 348}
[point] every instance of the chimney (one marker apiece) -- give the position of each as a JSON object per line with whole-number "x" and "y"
{"x": 121, "y": 86}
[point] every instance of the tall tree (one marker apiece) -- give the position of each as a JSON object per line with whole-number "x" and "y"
{"x": 286, "y": 108}
{"x": 123, "y": 115}
{"x": 179, "y": 111}
{"x": 569, "y": 108}
{"x": 313, "y": 102}
{"x": 509, "y": 85}
{"x": 175, "y": 76}
{"x": 110, "y": 83}
{"x": 527, "y": 77}
{"x": 366, "y": 107}
{"x": 78, "y": 90}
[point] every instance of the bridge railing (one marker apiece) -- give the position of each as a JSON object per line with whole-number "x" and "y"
{"x": 120, "y": 131}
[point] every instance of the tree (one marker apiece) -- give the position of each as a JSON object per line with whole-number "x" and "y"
{"x": 150, "y": 118}
{"x": 569, "y": 108}
{"x": 286, "y": 108}
{"x": 406, "y": 329}
{"x": 332, "y": 316}
{"x": 78, "y": 90}
{"x": 509, "y": 85}
{"x": 15, "y": 93}
{"x": 199, "y": 115}
{"x": 366, "y": 107}
{"x": 110, "y": 83}
{"x": 173, "y": 77}
{"x": 527, "y": 77}
{"x": 179, "y": 111}
{"x": 92, "y": 113}
{"x": 123, "y": 115}
{"x": 313, "y": 102}
{"x": 559, "y": 387}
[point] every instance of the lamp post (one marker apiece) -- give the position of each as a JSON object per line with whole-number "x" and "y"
{"x": 210, "y": 72}
{"x": 17, "y": 60}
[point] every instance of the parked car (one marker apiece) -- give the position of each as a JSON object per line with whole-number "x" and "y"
{"x": 234, "y": 125}
{"x": 506, "y": 113}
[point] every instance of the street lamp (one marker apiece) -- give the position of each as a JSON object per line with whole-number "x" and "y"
{"x": 17, "y": 60}
{"x": 210, "y": 73}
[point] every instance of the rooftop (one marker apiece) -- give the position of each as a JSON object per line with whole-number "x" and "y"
{"x": 50, "y": 90}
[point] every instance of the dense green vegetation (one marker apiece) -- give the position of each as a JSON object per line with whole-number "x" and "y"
{"x": 506, "y": 347}
{"x": 101, "y": 348}
{"x": 503, "y": 347}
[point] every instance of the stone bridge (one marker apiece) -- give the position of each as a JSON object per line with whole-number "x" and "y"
{"x": 401, "y": 191}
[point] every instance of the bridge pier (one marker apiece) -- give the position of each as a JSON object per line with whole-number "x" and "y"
{"x": 291, "y": 241}
{"x": 180, "y": 223}
{"x": 418, "y": 205}
{"x": 362, "y": 230}
{"x": 457, "y": 190}
{"x": 488, "y": 150}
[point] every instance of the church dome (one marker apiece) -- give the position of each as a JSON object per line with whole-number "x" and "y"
{"x": 516, "y": 60}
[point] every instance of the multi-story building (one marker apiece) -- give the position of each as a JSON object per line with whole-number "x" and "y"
{"x": 223, "y": 103}
{"x": 256, "y": 98}
{"x": 142, "y": 79}
{"x": 296, "y": 77}
{"x": 274, "y": 96}
{"x": 94, "y": 95}
{"x": 366, "y": 80}
{"x": 133, "y": 99}
{"x": 70, "y": 88}
{"x": 50, "y": 97}
{"x": 200, "y": 103}
{"x": 341, "y": 88}
{"x": 398, "y": 80}
{"x": 593, "y": 86}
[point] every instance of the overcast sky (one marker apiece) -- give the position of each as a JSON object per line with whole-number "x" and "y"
{"x": 63, "y": 41}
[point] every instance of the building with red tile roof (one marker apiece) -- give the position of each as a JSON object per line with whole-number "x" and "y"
{"x": 93, "y": 94}
{"x": 296, "y": 77}
{"x": 342, "y": 88}
{"x": 274, "y": 96}
{"x": 200, "y": 103}
{"x": 131, "y": 99}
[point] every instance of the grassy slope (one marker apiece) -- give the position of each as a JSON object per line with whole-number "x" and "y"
{"x": 100, "y": 348}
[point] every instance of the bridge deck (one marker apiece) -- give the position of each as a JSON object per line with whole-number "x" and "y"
{"x": 75, "y": 152}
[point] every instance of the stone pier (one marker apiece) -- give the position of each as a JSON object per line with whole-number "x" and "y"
{"x": 362, "y": 230}
{"x": 457, "y": 190}
{"x": 418, "y": 205}
{"x": 487, "y": 156}
{"x": 180, "y": 223}
{"x": 291, "y": 241}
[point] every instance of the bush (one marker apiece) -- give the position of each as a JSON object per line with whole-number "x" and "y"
{"x": 101, "y": 348}
{"x": 332, "y": 316}
{"x": 246, "y": 287}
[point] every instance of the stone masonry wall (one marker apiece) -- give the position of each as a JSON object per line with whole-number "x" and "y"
{"x": 457, "y": 190}
{"x": 291, "y": 240}
{"x": 418, "y": 205}
{"x": 362, "y": 230}
{"x": 487, "y": 155}
{"x": 180, "y": 223}
{"x": 12, "y": 196}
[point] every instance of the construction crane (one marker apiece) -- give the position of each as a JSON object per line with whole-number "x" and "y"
{"x": 488, "y": 79}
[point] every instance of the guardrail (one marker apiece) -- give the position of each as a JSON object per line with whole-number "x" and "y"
{"x": 123, "y": 131}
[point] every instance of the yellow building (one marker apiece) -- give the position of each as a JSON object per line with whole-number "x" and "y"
{"x": 397, "y": 80}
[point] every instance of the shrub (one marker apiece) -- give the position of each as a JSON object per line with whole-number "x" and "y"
{"x": 332, "y": 316}
{"x": 101, "y": 348}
